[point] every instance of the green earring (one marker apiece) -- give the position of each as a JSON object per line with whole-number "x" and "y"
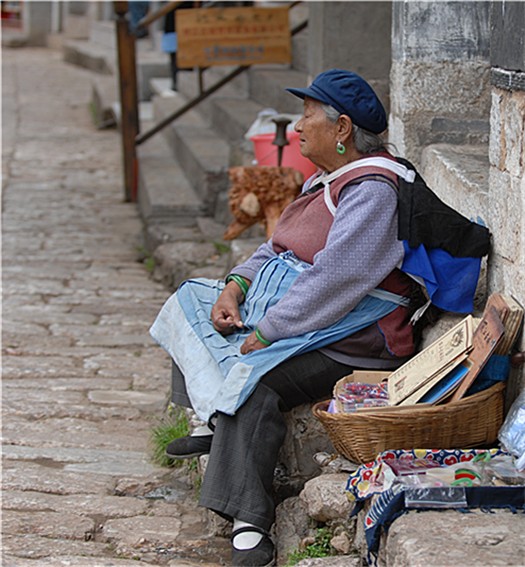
{"x": 340, "y": 148}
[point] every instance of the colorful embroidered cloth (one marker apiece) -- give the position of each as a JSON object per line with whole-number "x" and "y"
{"x": 388, "y": 504}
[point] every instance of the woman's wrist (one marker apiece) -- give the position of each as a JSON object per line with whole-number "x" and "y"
{"x": 261, "y": 339}
{"x": 241, "y": 283}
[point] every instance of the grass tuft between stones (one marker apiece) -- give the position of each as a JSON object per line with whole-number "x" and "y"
{"x": 319, "y": 548}
{"x": 171, "y": 426}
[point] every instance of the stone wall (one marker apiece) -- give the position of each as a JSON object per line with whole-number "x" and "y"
{"x": 36, "y": 21}
{"x": 353, "y": 36}
{"x": 439, "y": 82}
{"x": 507, "y": 158}
{"x": 458, "y": 112}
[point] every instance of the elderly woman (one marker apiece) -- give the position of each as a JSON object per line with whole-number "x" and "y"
{"x": 322, "y": 297}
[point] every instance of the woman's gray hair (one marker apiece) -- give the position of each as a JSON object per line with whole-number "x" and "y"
{"x": 365, "y": 142}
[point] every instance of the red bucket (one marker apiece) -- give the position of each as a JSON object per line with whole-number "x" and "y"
{"x": 266, "y": 153}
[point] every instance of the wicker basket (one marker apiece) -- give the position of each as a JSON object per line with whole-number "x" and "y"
{"x": 469, "y": 422}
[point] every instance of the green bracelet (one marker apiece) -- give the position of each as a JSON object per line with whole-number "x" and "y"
{"x": 239, "y": 281}
{"x": 261, "y": 339}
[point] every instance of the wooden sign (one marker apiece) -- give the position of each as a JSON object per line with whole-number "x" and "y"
{"x": 486, "y": 337}
{"x": 232, "y": 36}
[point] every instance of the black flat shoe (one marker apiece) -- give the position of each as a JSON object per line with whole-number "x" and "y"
{"x": 262, "y": 555}
{"x": 189, "y": 447}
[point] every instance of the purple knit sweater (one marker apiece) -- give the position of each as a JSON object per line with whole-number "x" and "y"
{"x": 361, "y": 250}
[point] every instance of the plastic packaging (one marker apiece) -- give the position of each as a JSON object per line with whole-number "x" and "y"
{"x": 354, "y": 395}
{"x": 512, "y": 432}
{"x": 501, "y": 471}
{"x": 445, "y": 497}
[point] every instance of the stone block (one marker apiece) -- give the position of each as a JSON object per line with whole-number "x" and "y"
{"x": 513, "y": 132}
{"x": 49, "y": 551}
{"x": 80, "y": 504}
{"x": 371, "y": 27}
{"x": 292, "y": 524}
{"x": 505, "y": 215}
{"x": 132, "y": 533}
{"x": 325, "y": 497}
{"x": 432, "y": 32}
{"x": 175, "y": 261}
{"x": 304, "y": 438}
{"x": 495, "y": 139}
{"x": 427, "y": 95}
{"x": 441, "y": 89}
{"x": 61, "y": 524}
{"x": 419, "y": 538}
{"x": 507, "y": 24}
{"x": 459, "y": 176}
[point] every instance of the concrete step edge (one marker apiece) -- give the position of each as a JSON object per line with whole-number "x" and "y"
{"x": 165, "y": 193}
{"x": 203, "y": 155}
{"x": 459, "y": 175}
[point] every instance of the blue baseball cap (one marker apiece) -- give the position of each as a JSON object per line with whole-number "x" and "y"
{"x": 349, "y": 94}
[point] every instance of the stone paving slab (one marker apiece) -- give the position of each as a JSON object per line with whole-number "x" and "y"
{"x": 74, "y": 432}
{"x": 462, "y": 539}
{"x": 82, "y": 505}
{"x": 68, "y": 560}
{"x": 39, "y": 548}
{"x": 48, "y": 524}
{"x": 83, "y": 383}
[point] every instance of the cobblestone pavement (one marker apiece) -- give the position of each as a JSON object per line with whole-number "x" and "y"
{"x": 83, "y": 383}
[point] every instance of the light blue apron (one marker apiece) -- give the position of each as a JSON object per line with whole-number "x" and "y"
{"x": 218, "y": 377}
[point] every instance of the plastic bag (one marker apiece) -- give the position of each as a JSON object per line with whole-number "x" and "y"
{"x": 512, "y": 432}
{"x": 263, "y": 124}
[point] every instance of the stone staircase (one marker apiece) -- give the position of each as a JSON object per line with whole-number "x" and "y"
{"x": 183, "y": 170}
{"x": 183, "y": 201}
{"x": 208, "y": 140}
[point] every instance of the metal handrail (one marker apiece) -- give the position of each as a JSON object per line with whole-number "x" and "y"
{"x": 148, "y": 19}
{"x": 128, "y": 89}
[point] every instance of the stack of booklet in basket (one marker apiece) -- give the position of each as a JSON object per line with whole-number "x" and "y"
{"x": 446, "y": 369}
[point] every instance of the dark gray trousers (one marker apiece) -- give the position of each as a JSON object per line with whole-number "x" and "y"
{"x": 239, "y": 475}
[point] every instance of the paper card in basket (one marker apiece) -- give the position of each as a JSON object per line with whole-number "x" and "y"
{"x": 439, "y": 358}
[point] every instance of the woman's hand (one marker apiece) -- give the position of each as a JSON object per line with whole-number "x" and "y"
{"x": 225, "y": 315}
{"x": 251, "y": 343}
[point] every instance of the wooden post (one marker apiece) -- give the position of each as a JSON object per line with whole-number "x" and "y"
{"x": 128, "y": 100}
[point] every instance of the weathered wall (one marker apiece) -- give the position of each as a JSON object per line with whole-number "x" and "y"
{"x": 440, "y": 90}
{"x": 36, "y": 22}
{"x": 458, "y": 112}
{"x": 507, "y": 157}
{"x": 354, "y": 36}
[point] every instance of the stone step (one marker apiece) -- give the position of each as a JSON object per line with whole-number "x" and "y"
{"x": 459, "y": 175}
{"x": 188, "y": 82}
{"x": 233, "y": 118}
{"x": 299, "y": 14}
{"x": 102, "y": 59}
{"x": 208, "y": 140}
{"x": 103, "y": 34}
{"x": 204, "y": 156}
{"x": 104, "y": 95}
{"x": 165, "y": 195}
{"x": 90, "y": 56}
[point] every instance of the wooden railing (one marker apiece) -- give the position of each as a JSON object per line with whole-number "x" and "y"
{"x": 130, "y": 134}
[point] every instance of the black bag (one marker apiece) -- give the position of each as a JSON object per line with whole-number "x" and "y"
{"x": 425, "y": 219}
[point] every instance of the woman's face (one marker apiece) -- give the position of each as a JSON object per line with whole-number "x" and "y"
{"x": 317, "y": 135}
